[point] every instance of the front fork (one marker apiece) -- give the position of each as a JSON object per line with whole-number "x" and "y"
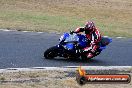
{"x": 62, "y": 52}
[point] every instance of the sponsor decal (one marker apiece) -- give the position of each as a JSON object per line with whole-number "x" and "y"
{"x": 82, "y": 77}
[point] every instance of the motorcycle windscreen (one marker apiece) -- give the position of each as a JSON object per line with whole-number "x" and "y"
{"x": 69, "y": 46}
{"x": 72, "y": 38}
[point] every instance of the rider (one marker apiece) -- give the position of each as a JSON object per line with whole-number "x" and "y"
{"x": 93, "y": 35}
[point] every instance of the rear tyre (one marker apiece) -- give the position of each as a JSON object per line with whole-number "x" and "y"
{"x": 84, "y": 58}
{"x": 50, "y": 53}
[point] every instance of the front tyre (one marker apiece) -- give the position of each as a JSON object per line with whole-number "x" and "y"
{"x": 50, "y": 53}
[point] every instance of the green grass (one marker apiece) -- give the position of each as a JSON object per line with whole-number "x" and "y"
{"x": 60, "y": 16}
{"x": 37, "y": 22}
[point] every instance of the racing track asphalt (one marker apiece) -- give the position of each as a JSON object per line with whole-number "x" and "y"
{"x": 25, "y": 49}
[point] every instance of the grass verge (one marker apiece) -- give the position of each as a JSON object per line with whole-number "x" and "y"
{"x": 112, "y": 17}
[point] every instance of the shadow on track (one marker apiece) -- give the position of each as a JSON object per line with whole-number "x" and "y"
{"x": 90, "y": 61}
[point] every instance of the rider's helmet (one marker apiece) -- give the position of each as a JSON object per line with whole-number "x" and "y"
{"x": 89, "y": 27}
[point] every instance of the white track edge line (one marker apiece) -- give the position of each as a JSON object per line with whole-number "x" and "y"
{"x": 68, "y": 68}
{"x": 51, "y": 32}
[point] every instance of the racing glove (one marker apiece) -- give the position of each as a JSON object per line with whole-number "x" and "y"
{"x": 71, "y": 32}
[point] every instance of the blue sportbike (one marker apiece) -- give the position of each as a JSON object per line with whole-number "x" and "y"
{"x": 71, "y": 45}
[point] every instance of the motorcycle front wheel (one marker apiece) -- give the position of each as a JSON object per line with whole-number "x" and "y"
{"x": 50, "y": 53}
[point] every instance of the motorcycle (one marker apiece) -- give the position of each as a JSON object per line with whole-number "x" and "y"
{"x": 71, "y": 45}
